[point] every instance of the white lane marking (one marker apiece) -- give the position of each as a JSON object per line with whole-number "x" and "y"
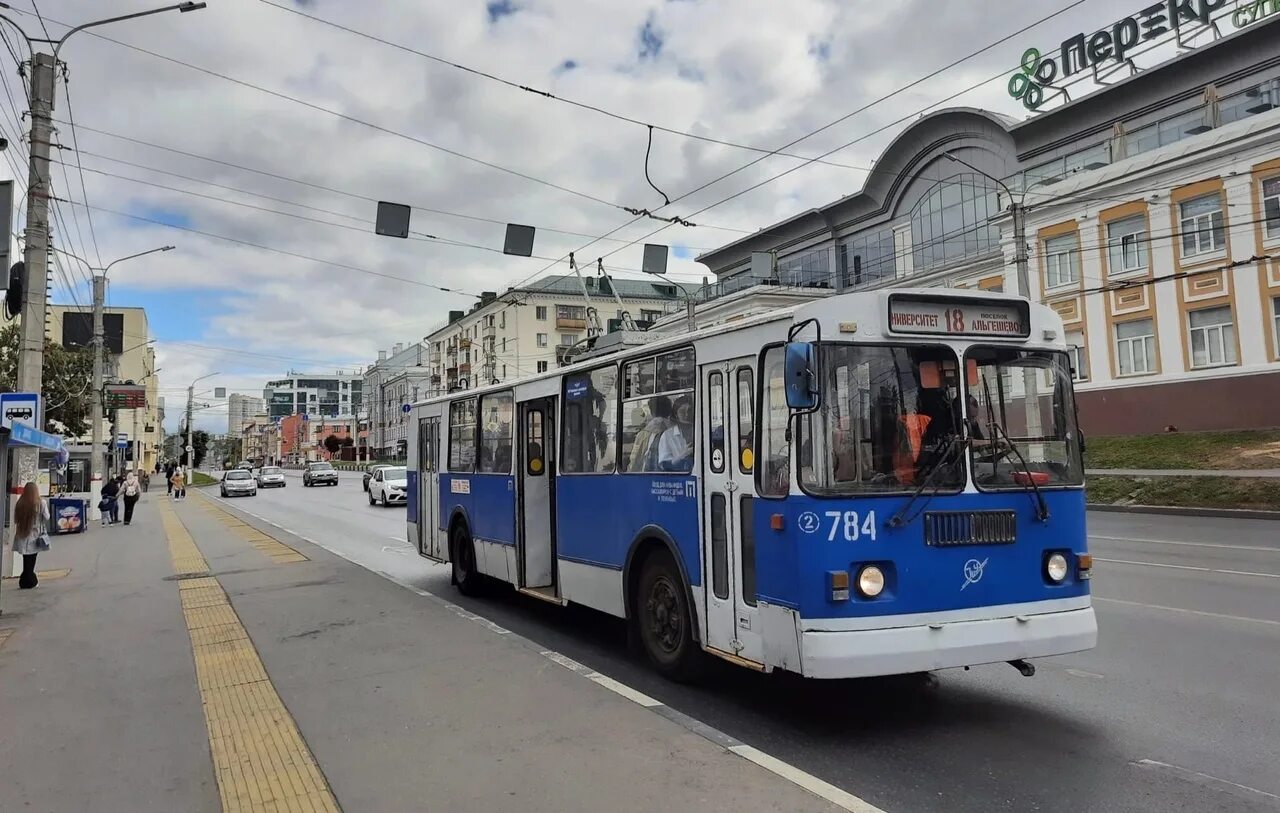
{"x": 1189, "y": 612}
{"x": 397, "y": 551}
{"x": 825, "y": 790}
{"x": 1188, "y": 567}
{"x": 1185, "y": 544}
{"x": 1082, "y": 673}
{"x": 1202, "y": 778}
{"x": 808, "y": 781}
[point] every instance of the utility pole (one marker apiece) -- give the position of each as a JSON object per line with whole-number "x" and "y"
{"x": 1019, "y": 212}
{"x": 30, "y": 377}
{"x": 97, "y": 454}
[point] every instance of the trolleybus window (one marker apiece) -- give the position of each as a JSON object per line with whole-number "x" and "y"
{"x": 715, "y": 412}
{"x": 890, "y": 420}
{"x": 496, "y": 413}
{"x": 1021, "y": 404}
{"x": 773, "y": 477}
{"x": 590, "y": 420}
{"x": 746, "y": 421}
{"x": 658, "y": 413}
{"x": 462, "y": 435}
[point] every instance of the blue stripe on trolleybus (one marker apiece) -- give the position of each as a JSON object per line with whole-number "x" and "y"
{"x": 488, "y": 501}
{"x": 824, "y": 535}
{"x": 598, "y": 516}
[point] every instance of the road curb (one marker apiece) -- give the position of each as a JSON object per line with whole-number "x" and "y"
{"x": 1180, "y": 511}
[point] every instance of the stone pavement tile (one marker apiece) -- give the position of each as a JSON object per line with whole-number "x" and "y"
{"x": 100, "y": 705}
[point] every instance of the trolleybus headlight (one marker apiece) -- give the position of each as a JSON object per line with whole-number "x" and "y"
{"x": 870, "y": 581}
{"x": 1055, "y": 567}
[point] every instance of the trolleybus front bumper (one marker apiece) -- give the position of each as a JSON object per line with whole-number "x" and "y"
{"x": 832, "y": 653}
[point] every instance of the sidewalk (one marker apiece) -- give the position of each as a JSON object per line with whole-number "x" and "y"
{"x": 317, "y": 670}
{"x": 1264, "y": 473}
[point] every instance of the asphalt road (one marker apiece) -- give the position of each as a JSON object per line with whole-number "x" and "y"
{"x": 1176, "y": 709}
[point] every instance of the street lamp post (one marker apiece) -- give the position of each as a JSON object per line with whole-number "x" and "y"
{"x": 43, "y": 84}
{"x": 97, "y": 455}
{"x": 190, "y": 447}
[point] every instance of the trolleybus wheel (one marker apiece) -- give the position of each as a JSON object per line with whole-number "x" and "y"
{"x": 465, "y": 575}
{"x": 664, "y": 621}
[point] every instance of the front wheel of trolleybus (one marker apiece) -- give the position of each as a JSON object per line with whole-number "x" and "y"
{"x": 664, "y": 620}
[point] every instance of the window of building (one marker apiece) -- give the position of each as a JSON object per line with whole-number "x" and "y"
{"x": 867, "y": 258}
{"x": 542, "y": 366}
{"x": 569, "y": 339}
{"x": 1213, "y": 337}
{"x": 650, "y": 316}
{"x": 462, "y": 435}
{"x": 542, "y": 340}
{"x": 1271, "y": 206}
{"x": 658, "y": 413}
{"x": 773, "y": 475}
{"x": 1127, "y": 244}
{"x": 952, "y": 221}
{"x": 575, "y": 312}
{"x": 1136, "y": 347}
{"x": 1275, "y": 322}
{"x": 1062, "y": 261}
{"x": 590, "y": 420}
{"x": 1079, "y": 355}
{"x": 540, "y": 312}
{"x": 504, "y": 344}
{"x": 1202, "y": 226}
{"x": 809, "y": 269}
{"x": 504, "y": 371}
{"x": 496, "y": 415}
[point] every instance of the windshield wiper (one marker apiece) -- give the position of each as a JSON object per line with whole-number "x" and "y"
{"x": 1042, "y": 507}
{"x": 897, "y": 521}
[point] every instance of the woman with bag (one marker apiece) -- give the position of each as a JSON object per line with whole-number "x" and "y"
{"x": 179, "y": 484}
{"x": 30, "y": 533}
{"x": 132, "y": 489}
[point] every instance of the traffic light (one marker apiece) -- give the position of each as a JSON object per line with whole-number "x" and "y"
{"x": 14, "y": 294}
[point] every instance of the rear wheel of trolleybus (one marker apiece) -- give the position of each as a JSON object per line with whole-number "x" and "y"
{"x": 664, "y": 620}
{"x": 463, "y": 557}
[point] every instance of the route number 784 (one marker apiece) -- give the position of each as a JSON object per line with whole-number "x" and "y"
{"x": 845, "y": 524}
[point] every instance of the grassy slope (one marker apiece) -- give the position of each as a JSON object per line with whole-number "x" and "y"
{"x": 1199, "y": 492}
{"x": 1185, "y": 450}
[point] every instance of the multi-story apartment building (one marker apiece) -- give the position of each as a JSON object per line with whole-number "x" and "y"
{"x": 302, "y": 438}
{"x": 130, "y": 357}
{"x": 314, "y": 394}
{"x": 525, "y": 331}
{"x": 241, "y": 408}
{"x": 398, "y": 377}
{"x": 260, "y": 439}
{"x": 1152, "y": 221}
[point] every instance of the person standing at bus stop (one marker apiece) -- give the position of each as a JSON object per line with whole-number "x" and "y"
{"x": 30, "y": 533}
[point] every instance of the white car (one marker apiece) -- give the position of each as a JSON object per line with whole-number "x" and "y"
{"x": 238, "y": 481}
{"x": 389, "y": 486}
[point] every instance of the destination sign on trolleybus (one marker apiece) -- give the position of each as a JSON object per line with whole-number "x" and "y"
{"x": 958, "y": 317}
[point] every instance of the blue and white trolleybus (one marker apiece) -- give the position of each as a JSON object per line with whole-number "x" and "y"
{"x": 869, "y": 484}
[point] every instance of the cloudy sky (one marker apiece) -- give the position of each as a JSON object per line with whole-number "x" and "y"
{"x": 317, "y": 290}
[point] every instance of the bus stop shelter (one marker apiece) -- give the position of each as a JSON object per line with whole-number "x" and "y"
{"x": 13, "y": 437}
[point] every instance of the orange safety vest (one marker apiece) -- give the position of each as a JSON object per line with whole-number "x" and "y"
{"x": 904, "y": 462}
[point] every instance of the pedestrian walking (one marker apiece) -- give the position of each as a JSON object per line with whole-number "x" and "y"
{"x": 179, "y": 483}
{"x": 110, "y": 506}
{"x": 30, "y": 533}
{"x": 168, "y": 478}
{"x": 146, "y": 481}
{"x": 132, "y": 490}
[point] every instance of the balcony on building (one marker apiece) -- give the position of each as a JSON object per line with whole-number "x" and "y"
{"x": 571, "y": 317}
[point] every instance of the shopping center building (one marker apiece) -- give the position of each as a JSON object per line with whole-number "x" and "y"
{"x": 1152, "y": 219}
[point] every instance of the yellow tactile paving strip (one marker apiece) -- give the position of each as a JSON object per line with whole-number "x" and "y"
{"x": 259, "y": 757}
{"x": 275, "y": 550}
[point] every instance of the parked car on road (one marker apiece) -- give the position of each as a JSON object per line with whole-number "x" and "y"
{"x": 238, "y": 481}
{"x": 368, "y": 475}
{"x": 271, "y": 477}
{"x": 319, "y": 473}
{"x": 389, "y": 486}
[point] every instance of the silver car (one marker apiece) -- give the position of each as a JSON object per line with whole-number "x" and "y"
{"x": 271, "y": 477}
{"x": 238, "y": 481}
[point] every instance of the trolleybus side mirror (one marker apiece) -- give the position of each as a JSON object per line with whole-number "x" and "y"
{"x": 800, "y": 370}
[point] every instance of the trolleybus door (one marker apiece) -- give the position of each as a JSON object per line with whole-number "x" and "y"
{"x": 728, "y": 560}
{"x": 536, "y": 475}
{"x": 429, "y": 487}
